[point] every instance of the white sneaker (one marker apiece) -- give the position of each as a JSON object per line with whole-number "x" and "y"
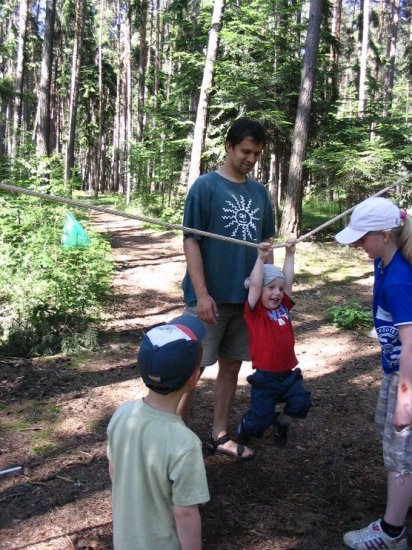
{"x": 373, "y": 538}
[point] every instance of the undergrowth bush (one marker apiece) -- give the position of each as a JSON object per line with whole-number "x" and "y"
{"x": 158, "y": 206}
{"x": 350, "y": 315}
{"x": 49, "y": 296}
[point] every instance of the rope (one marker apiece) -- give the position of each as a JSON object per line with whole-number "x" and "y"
{"x": 400, "y": 181}
{"x": 145, "y": 219}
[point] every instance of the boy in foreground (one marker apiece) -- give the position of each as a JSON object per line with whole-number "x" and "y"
{"x": 155, "y": 461}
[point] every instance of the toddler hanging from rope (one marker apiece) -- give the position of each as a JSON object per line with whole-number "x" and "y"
{"x": 271, "y": 339}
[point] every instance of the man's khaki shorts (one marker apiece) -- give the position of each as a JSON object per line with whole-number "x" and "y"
{"x": 229, "y": 338}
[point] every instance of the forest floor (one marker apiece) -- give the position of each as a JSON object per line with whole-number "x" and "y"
{"x": 54, "y": 412}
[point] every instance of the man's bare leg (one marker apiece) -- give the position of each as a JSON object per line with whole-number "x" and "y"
{"x": 224, "y": 395}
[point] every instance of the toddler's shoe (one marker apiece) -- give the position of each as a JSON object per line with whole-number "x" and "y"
{"x": 242, "y": 436}
{"x": 280, "y": 432}
{"x": 372, "y": 537}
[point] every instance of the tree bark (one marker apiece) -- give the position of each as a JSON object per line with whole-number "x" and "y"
{"x": 207, "y": 81}
{"x": 363, "y": 62}
{"x": 100, "y": 153}
{"x": 292, "y": 211}
{"x": 18, "y": 90}
{"x": 43, "y": 106}
{"x": 142, "y": 70}
{"x": 74, "y": 89}
{"x": 334, "y": 49}
{"x": 392, "y": 46}
{"x": 127, "y": 102}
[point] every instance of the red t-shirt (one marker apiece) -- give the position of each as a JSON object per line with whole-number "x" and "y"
{"x": 271, "y": 338}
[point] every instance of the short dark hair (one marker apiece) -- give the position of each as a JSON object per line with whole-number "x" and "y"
{"x": 246, "y": 128}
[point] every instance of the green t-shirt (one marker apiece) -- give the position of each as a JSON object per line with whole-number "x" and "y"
{"x": 239, "y": 210}
{"x": 157, "y": 464}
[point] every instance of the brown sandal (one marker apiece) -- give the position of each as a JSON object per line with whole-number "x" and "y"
{"x": 240, "y": 449}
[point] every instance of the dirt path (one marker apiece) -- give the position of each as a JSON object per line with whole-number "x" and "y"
{"x": 328, "y": 479}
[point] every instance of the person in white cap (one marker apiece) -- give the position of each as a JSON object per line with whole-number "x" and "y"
{"x": 385, "y": 233}
{"x": 272, "y": 350}
{"x": 155, "y": 461}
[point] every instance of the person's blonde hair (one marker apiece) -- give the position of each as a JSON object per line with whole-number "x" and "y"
{"x": 403, "y": 235}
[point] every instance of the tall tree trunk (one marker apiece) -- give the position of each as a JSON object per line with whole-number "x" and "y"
{"x": 390, "y": 73}
{"x": 56, "y": 104}
{"x": 142, "y": 69}
{"x": 158, "y": 52}
{"x": 117, "y": 110}
{"x": 74, "y": 88}
{"x": 7, "y": 93}
{"x": 127, "y": 102}
{"x": 207, "y": 81}
{"x": 99, "y": 152}
{"x": 408, "y": 56}
{"x": 43, "y": 106}
{"x": 292, "y": 212}
{"x": 274, "y": 187}
{"x": 18, "y": 89}
{"x": 334, "y": 50}
{"x": 363, "y": 62}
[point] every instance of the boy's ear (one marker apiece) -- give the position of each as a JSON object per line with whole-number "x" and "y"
{"x": 194, "y": 379}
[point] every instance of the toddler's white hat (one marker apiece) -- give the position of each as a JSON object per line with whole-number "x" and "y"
{"x": 373, "y": 214}
{"x": 270, "y": 272}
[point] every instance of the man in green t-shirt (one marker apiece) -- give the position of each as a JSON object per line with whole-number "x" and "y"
{"x": 225, "y": 202}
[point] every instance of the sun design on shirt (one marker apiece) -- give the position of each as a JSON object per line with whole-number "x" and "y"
{"x": 241, "y": 217}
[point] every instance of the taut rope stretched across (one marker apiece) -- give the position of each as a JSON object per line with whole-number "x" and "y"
{"x": 145, "y": 219}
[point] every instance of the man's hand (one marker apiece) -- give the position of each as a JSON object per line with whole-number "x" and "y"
{"x": 207, "y": 309}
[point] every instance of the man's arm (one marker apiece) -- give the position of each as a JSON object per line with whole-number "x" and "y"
{"x": 206, "y": 306}
{"x": 403, "y": 411}
{"x": 189, "y": 526}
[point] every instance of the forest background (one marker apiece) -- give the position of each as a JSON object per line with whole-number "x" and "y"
{"x": 133, "y": 98}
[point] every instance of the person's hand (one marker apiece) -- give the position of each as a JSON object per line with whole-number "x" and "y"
{"x": 207, "y": 309}
{"x": 264, "y": 250}
{"x": 402, "y": 417}
{"x": 290, "y": 246}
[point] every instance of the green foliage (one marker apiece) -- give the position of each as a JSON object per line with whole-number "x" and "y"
{"x": 316, "y": 211}
{"x": 75, "y": 342}
{"x": 157, "y": 206}
{"x": 43, "y": 449}
{"x": 350, "y": 315}
{"x": 48, "y": 295}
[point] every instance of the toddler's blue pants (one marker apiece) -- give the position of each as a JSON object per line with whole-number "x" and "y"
{"x": 268, "y": 389}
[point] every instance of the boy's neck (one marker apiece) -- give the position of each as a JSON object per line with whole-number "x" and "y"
{"x": 165, "y": 403}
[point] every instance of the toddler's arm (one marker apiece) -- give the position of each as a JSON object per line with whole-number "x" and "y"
{"x": 189, "y": 526}
{"x": 256, "y": 277}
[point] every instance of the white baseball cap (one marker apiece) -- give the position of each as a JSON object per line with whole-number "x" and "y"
{"x": 373, "y": 214}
